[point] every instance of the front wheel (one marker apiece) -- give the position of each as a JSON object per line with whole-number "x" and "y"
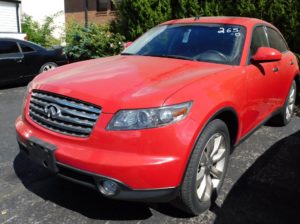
{"x": 206, "y": 169}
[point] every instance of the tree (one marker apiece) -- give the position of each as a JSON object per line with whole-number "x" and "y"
{"x": 137, "y": 16}
{"x": 185, "y": 8}
{"x": 134, "y": 17}
{"x": 40, "y": 33}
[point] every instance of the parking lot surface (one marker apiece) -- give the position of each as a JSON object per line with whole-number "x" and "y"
{"x": 262, "y": 184}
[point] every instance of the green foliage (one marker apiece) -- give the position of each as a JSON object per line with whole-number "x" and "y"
{"x": 93, "y": 42}
{"x": 185, "y": 8}
{"x": 284, "y": 14}
{"x": 40, "y": 33}
{"x": 136, "y": 16}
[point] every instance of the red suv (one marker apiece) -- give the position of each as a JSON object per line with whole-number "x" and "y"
{"x": 158, "y": 122}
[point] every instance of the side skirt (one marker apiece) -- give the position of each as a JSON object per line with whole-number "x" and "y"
{"x": 245, "y": 137}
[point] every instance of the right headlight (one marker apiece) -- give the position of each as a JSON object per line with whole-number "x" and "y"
{"x": 149, "y": 118}
{"x": 28, "y": 90}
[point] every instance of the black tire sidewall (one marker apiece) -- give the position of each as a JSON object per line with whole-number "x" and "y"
{"x": 188, "y": 189}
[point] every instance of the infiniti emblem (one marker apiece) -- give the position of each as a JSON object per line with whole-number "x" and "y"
{"x": 52, "y": 110}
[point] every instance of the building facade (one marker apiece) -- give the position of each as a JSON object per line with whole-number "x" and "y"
{"x": 87, "y": 11}
{"x": 10, "y": 16}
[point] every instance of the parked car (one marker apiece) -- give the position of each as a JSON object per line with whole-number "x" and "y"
{"x": 22, "y": 60}
{"x": 158, "y": 122}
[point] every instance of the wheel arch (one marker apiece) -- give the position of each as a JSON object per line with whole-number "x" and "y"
{"x": 230, "y": 117}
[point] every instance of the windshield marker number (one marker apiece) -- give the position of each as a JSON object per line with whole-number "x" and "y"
{"x": 232, "y": 31}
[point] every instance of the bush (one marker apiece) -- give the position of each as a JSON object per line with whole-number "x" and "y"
{"x": 137, "y": 16}
{"x": 134, "y": 17}
{"x": 40, "y": 33}
{"x": 92, "y": 42}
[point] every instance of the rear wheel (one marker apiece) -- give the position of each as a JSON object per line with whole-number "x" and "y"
{"x": 48, "y": 66}
{"x": 206, "y": 169}
{"x": 288, "y": 109}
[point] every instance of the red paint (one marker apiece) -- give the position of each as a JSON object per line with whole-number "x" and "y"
{"x": 265, "y": 54}
{"x": 156, "y": 158}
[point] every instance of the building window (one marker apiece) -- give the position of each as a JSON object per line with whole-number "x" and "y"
{"x": 102, "y": 5}
{"x": 106, "y": 5}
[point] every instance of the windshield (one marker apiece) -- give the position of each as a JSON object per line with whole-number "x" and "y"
{"x": 216, "y": 43}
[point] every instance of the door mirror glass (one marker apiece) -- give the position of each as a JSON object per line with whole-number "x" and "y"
{"x": 265, "y": 54}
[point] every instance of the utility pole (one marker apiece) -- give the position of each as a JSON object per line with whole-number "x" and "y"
{"x": 86, "y": 11}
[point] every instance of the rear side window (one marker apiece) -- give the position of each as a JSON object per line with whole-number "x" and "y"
{"x": 259, "y": 39}
{"x": 8, "y": 47}
{"x": 26, "y": 48}
{"x": 276, "y": 40}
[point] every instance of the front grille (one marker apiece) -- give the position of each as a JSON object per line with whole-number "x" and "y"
{"x": 62, "y": 114}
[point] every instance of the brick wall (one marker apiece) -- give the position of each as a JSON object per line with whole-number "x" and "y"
{"x": 74, "y": 11}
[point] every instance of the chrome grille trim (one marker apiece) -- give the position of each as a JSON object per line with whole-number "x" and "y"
{"x": 74, "y": 118}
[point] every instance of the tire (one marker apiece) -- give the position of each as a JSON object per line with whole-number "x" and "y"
{"x": 195, "y": 198}
{"x": 287, "y": 111}
{"x": 48, "y": 66}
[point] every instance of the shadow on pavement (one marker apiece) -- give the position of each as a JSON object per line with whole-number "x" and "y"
{"x": 269, "y": 192}
{"x": 75, "y": 197}
{"x": 81, "y": 199}
{"x": 14, "y": 85}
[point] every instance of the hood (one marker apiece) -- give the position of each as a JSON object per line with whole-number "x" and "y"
{"x": 124, "y": 82}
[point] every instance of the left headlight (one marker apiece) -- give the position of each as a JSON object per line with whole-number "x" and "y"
{"x": 149, "y": 118}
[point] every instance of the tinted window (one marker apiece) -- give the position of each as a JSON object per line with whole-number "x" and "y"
{"x": 276, "y": 40}
{"x": 26, "y": 48}
{"x": 8, "y": 47}
{"x": 259, "y": 39}
{"x": 212, "y": 43}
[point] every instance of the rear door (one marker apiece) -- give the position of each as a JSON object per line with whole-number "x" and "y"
{"x": 10, "y": 61}
{"x": 284, "y": 66}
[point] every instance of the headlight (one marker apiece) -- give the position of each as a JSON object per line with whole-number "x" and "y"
{"x": 149, "y": 118}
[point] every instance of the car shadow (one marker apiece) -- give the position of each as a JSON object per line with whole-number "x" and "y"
{"x": 269, "y": 191}
{"x": 19, "y": 83}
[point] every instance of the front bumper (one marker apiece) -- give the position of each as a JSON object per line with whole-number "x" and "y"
{"x": 93, "y": 181}
{"x": 146, "y": 164}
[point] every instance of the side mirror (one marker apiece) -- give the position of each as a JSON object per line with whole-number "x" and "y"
{"x": 265, "y": 54}
{"x": 127, "y": 44}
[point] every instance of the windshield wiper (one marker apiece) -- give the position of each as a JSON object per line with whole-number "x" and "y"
{"x": 127, "y": 53}
{"x": 169, "y": 56}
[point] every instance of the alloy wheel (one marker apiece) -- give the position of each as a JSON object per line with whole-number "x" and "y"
{"x": 291, "y": 103}
{"x": 211, "y": 167}
{"x": 49, "y": 67}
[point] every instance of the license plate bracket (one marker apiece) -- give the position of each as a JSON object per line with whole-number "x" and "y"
{"x": 42, "y": 153}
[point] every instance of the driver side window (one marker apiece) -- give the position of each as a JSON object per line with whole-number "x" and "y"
{"x": 259, "y": 39}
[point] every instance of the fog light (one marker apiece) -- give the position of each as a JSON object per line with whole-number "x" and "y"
{"x": 108, "y": 188}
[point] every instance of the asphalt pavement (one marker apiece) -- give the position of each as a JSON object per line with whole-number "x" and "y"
{"x": 262, "y": 184}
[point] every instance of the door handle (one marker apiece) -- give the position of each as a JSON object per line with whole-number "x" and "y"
{"x": 19, "y": 60}
{"x": 276, "y": 69}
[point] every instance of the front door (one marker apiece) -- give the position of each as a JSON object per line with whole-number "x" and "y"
{"x": 285, "y": 66}
{"x": 11, "y": 60}
{"x": 260, "y": 82}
